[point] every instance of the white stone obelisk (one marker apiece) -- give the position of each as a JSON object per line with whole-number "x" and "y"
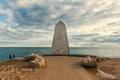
{"x": 60, "y": 44}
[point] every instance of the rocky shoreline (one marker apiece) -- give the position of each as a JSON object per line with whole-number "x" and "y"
{"x": 23, "y": 69}
{"x": 111, "y": 66}
{"x": 105, "y": 68}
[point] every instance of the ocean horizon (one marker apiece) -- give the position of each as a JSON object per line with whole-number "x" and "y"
{"x": 110, "y": 52}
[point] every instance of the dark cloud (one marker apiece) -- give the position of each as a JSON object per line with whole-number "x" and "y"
{"x": 108, "y": 39}
{"x": 39, "y": 15}
{"x": 84, "y": 35}
{"x": 33, "y": 16}
{"x": 97, "y": 38}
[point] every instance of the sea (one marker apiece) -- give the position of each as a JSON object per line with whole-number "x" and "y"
{"x": 109, "y": 52}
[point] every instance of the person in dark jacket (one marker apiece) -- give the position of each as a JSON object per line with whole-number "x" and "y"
{"x": 10, "y": 57}
{"x": 13, "y": 56}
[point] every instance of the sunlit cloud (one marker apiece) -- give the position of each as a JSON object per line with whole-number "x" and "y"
{"x": 32, "y": 22}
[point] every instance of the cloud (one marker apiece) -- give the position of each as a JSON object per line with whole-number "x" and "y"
{"x": 30, "y": 22}
{"x": 13, "y": 37}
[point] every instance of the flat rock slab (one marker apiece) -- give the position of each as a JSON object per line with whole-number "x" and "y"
{"x": 65, "y": 68}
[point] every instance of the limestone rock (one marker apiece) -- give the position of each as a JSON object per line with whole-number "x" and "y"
{"x": 30, "y": 57}
{"x": 60, "y": 44}
{"x": 98, "y": 59}
{"x": 37, "y": 61}
{"x": 105, "y": 75}
{"x": 89, "y": 63}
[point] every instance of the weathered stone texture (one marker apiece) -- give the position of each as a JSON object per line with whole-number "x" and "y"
{"x": 60, "y": 44}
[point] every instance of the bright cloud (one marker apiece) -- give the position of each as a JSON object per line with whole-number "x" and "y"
{"x": 32, "y": 22}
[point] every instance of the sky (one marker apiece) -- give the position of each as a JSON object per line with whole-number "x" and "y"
{"x": 31, "y": 23}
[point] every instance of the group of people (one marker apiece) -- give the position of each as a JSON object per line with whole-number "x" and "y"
{"x": 11, "y": 56}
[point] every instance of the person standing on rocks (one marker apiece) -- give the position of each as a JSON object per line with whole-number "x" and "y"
{"x": 13, "y": 56}
{"x": 10, "y": 57}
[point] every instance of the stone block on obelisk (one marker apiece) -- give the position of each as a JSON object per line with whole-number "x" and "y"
{"x": 60, "y": 44}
